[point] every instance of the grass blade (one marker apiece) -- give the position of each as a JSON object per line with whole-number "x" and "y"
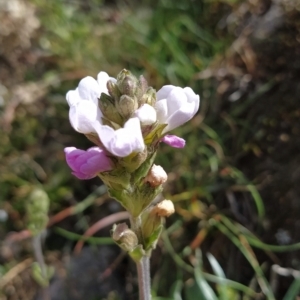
{"x": 220, "y": 273}
{"x": 293, "y": 290}
{"x": 242, "y": 244}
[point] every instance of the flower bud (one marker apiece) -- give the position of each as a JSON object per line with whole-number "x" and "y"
{"x": 109, "y": 111}
{"x": 164, "y": 209}
{"x": 127, "y": 83}
{"x": 126, "y": 106}
{"x": 149, "y": 97}
{"x": 143, "y": 84}
{"x": 141, "y": 89}
{"x": 151, "y": 228}
{"x": 156, "y": 176}
{"x": 124, "y": 237}
{"x": 37, "y": 208}
{"x": 113, "y": 90}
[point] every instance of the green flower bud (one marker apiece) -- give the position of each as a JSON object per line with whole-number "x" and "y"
{"x": 143, "y": 84}
{"x": 141, "y": 90}
{"x": 37, "y": 208}
{"x": 127, "y": 83}
{"x": 113, "y": 90}
{"x": 149, "y": 97}
{"x": 107, "y": 106}
{"x": 127, "y": 106}
{"x": 124, "y": 237}
{"x": 151, "y": 228}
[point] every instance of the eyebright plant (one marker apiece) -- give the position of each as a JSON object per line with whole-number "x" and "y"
{"x": 127, "y": 120}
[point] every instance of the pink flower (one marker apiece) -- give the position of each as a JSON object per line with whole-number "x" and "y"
{"x": 173, "y": 141}
{"x": 87, "y": 164}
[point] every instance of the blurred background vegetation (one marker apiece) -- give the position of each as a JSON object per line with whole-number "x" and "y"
{"x": 236, "y": 231}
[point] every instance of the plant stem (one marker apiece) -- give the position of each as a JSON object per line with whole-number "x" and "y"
{"x": 136, "y": 224}
{"x": 143, "y": 270}
{"x": 143, "y": 265}
{"x": 38, "y": 252}
{"x": 37, "y": 247}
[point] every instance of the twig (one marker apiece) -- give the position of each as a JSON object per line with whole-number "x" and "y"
{"x": 107, "y": 272}
{"x": 15, "y": 271}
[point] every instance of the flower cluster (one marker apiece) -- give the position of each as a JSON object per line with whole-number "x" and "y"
{"x": 126, "y": 119}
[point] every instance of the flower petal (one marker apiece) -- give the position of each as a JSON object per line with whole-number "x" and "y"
{"x": 96, "y": 160}
{"x": 71, "y": 155}
{"x": 175, "y": 100}
{"x": 173, "y": 141}
{"x": 146, "y": 114}
{"x": 89, "y": 89}
{"x": 73, "y": 97}
{"x": 83, "y": 115}
{"x": 123, "y": 141}
{"x": 181, "y": 116}
{"x": 192, "y": 97}
{"x": 162, "y": 111}
{"x": 175, "y": 106}
{"x": 87, "y": 164}
{"x": 164, "y": 92}
{"x": 102, "y": 79}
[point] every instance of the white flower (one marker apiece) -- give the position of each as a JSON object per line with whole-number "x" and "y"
{"x": 83, "y": 102}
{"x": 123, "y": 141}
{"x": 175, "y": 106}
{"x": 146, "y": 114}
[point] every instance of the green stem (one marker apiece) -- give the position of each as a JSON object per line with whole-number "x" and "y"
{"x": 37, "y": 247}
{"x": 38, "y": 252}
{"x": 143, "y": 265}
{"x": 136, "y": 226}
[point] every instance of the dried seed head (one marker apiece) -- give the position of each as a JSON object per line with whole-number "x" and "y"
{"x": 124, "y": 237}
{"x": 156, "y": 176}
{"x": 164, "y": 208}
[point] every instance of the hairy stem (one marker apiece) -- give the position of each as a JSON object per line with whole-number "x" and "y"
{"x": 143, "y": 270}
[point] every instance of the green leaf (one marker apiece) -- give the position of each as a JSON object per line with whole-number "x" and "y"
{"x": 293, "y": 290}
{"x": 176, "y": 290}
{"x": 77, "y": 237}
{"x": 151, "y": 241}
{"x": 137, "y": 253}
{"x": 220, "y": 273}
{"x": 203, "y": 285}
{"x": 241, "y": 242}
